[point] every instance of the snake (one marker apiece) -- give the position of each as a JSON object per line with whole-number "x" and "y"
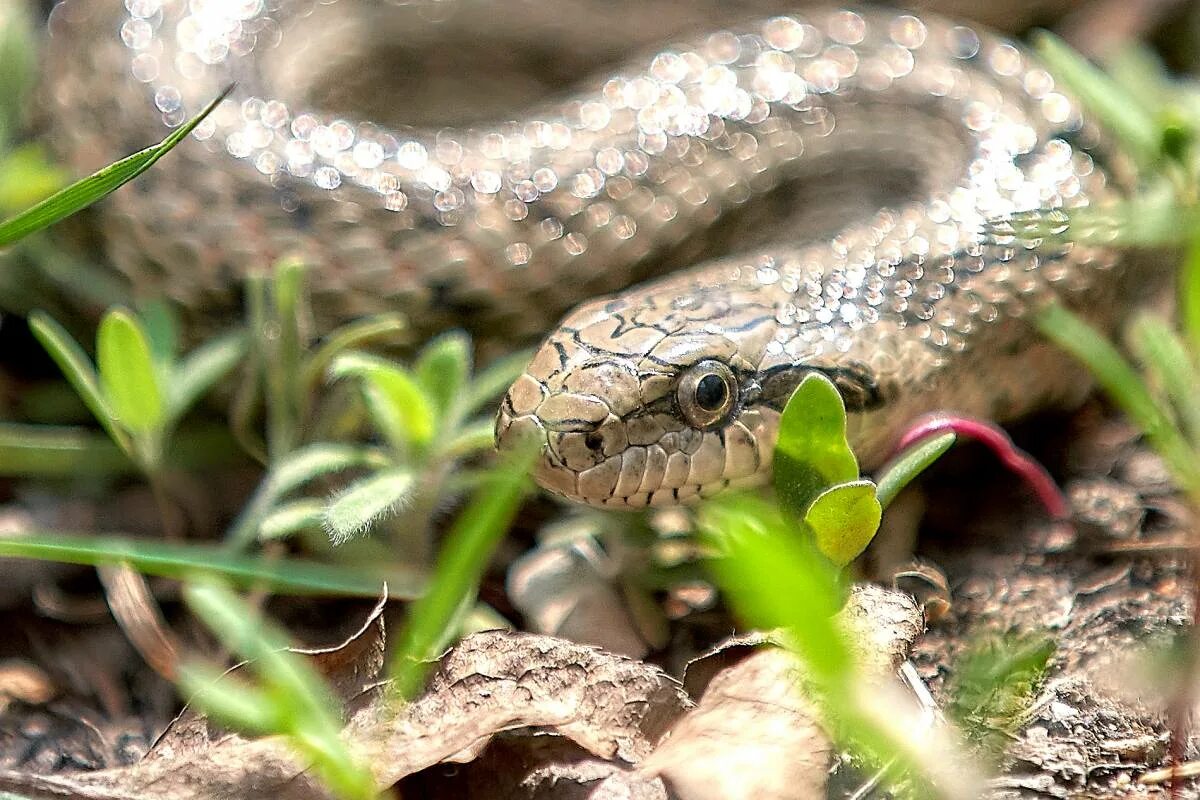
{"x": 719, "y": 212}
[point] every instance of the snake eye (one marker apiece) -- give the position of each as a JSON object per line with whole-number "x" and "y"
{"x": 707, "y": 394}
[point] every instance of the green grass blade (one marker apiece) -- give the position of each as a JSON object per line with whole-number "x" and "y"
{"x": 200, "y": 370}
{"x": 1102, "y": 96}
{"x": 50, "y": 451}
{"x": 1189, "y": 294}
{"x": 908, "y": 465}
{"x": 1122, "y": 383}
{"x": 468, "y": 547}
{"x": 493, "y": 379}
{"x": 347, "y": 337}
{"x": 128, "y": 376}
{"x": 303, "y": 705}
{"x": 1167, "y": 359}
{"x": 182, "y": 561}
{"x": 442, "y": 370}
{"x": 775, "y": 578}
{"x": 18, "y": 62}
{"x": 87, "y": 191}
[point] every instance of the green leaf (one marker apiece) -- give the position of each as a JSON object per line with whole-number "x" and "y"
{"x": 226, "y": 698}
{"x": 1116, "y": 110}
{"x": 26, "y": 176}
{"x": 467, "y": 549}
{"x": 909, "y": 464}
{"x": 1122, "y": 383}
{"x": 79, "y": 372}
{"x": 161, "y": 326}
{"x": 282, "y": 344}
{"x": 299, "y": 703}
{"x": 355, "y": 508}
{"x": 775, "y": 578}
{"x": 294, "y": 470}
{"x": 127, "y": 373}
{"x": 1189, "y": 293}
{"x": 87, "y": 191}
{"x": 201, "y": 369}
{"x": 18, "y": 56}
{"x": 490, "y": 382}
{"x": 179, "y": 561}
{"x": 442, "y": 370}
{"x": 398, "y": 404}
{"x": 844, "y": 519}
{"x": 354, "y": 334}
{"x": 812, "y": 453}
{"x": 51, "y": 451}
{"x": 1167, "y": 359}
{"x": 475, "y": 437}
{"x": 292, "y": 518}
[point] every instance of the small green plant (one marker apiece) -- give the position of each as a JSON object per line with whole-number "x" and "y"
{"x": 286, "y": 698}
{"x": 417, "y": 427}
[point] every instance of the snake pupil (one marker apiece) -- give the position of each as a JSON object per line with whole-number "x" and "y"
{"x": 711, "y": 393}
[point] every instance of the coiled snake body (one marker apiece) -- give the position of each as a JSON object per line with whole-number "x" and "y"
{"x": 864, "y": 157}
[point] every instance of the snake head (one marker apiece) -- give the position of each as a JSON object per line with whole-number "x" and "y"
{"x": 648, "y": 399}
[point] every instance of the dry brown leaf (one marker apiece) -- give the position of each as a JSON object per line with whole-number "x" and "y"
{"x": 612, "y": 707}
{"x": 755, "y": 732}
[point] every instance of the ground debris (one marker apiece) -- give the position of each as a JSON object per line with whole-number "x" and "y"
{"x": 532, "y": 716}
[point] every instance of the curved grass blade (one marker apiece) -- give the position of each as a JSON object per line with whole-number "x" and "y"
{"x": 182, "y": 561}
{"x": 83, "y": 193}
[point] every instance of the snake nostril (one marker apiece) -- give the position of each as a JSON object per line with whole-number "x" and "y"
{"x": 594, "y": 441}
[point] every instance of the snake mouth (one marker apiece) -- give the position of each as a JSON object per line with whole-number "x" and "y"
{"x": 598, "y": 465}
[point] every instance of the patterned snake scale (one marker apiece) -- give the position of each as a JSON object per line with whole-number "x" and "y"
{"x": 867, "y": 159}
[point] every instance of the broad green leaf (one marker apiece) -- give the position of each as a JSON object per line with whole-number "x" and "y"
{"x": 1101, "y": 95}
{"x": 812, "y": 453}
{"x": 909, "y": 464}
{"x": 180, "y": 561}
{"x": 1126, "y": 388}
{"x": 87, "y": 191}
{"x": 398, "y": 404}
{"x": 78, "y": 370}
{"x": 466, "y": 551}
{"x": 844, "y": 519}
{"x": 442, "y": 370}
{"x": 201, "y": 369}
{"x": 354, "y": 509}
{"x": 127, "y": 373}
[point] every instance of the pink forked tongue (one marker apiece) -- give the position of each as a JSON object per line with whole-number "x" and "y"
{"x": 995, "y": 439}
